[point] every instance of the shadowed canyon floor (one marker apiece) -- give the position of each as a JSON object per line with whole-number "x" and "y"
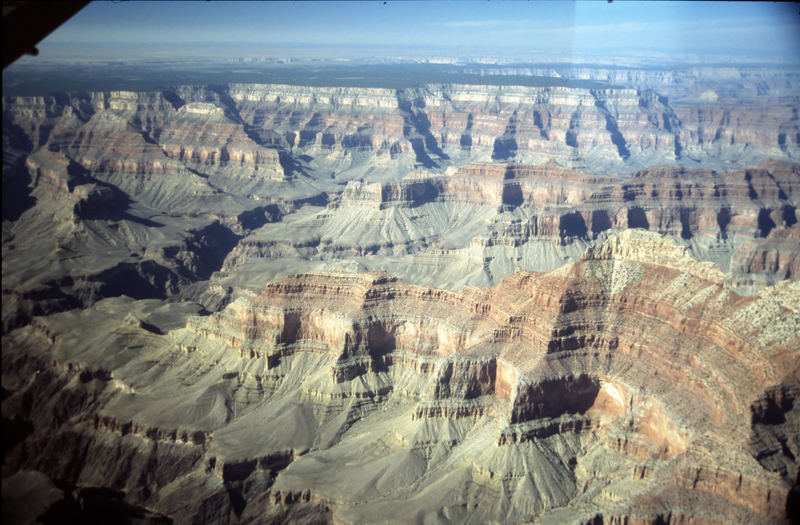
{"x": 445, "y": 304}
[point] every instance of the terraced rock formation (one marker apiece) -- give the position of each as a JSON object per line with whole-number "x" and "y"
{"x": 631, "y": 385}
{"x": 193, "y": 191}
{"x": 450, "y": 303}
{"x": 735, "y": 121}
{"x": 490, "y": 219}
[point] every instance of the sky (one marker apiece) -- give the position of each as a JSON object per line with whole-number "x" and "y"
{"x": 739, "y": 28}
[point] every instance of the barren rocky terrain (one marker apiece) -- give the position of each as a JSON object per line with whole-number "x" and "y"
{"x": 449, "y": 303}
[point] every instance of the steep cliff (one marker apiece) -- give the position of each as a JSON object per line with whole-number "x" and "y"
{"x": 477, "y": 223}
{"x": 451, "y": 303}
{"x": 602, "y": 130}
{"x": 590, "y": 129}
{"x": 631, "y": 385}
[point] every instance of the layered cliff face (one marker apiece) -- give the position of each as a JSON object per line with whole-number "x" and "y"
{"x": 477, "y": 223}
{"x": 608, "y": 130}
{"x": 271, "y": 303}
{"x": 775, "y": 257}
{"x": 621, "y": 387}
{"x": 234, "y": 149}
{"x": 100, "y": 192}
{"x": 595, "y": 129}
{"x": 708, "y": 109}
{"x": 142, "y": 139}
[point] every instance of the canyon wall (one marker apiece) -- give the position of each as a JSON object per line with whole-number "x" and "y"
{"x": 460, "y": 303}
{"x": 277, "y": 179}
{"x": 612, "y": 388}
{"x": 617, "y": 129}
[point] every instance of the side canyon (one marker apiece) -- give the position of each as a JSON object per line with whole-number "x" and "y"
{"x": 453, "y": 303}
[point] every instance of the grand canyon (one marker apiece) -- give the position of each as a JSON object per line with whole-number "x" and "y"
{"x": 549, "y": 294}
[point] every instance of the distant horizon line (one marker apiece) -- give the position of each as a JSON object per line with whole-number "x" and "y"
{"x": 503, "y": 55}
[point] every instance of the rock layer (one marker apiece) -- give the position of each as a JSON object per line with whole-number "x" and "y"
{"x": 240, "y": 126}
{"x": 259, "y": 303}
{"x": 490, "y": 219}
{"x": 613, "y": 387}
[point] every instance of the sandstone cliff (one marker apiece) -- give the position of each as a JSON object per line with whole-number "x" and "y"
{"x": 612, "y": 130}
{"x": 450, "y": 303}
{"x": 490, "y": 219}
{"x": 620, "y": 387}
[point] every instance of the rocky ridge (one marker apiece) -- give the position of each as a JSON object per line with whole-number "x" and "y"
{"x": 612, "y": 387}
{"x": 490, "y": 219}
{"x": 222, "y": 295}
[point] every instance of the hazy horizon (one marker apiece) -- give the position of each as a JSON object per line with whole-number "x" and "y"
{"x": 122, "y": 30}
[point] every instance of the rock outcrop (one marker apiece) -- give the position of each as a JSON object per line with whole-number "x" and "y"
{"x": 449, "y": 303}
{"x": 257, "y": 129}
{"x": 490, "y": 219}
{"x": 612, "y": 388}
{"x": 773, "y": 258}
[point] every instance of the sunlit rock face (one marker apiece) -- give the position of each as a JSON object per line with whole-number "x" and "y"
{"x": 451, "y": 303}
{"x": 617, "y": 129}
{"x": 673, "y": 201}
{"x": 599, "y": 128}
{"x": 623, "y": 386}
{"x": 481, "y": 221}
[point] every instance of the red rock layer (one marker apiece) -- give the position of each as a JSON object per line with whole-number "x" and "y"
{"x": 619, "y": 340}
{"x": 778, "y": 254}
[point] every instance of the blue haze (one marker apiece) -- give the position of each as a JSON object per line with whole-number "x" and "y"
{"x": 121, "y": 29}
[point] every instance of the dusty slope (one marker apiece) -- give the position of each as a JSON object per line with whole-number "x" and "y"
{"x": 624, "y": 385}
{"x": 163, "y": 361}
